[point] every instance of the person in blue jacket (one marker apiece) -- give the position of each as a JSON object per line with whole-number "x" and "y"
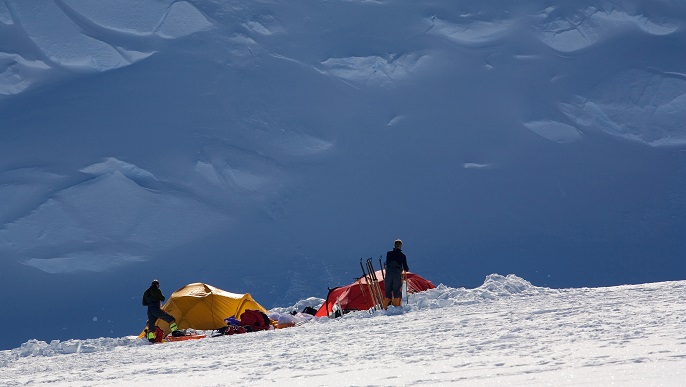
{"x": 152, "y": 298}
{"x": 396, "y": 266}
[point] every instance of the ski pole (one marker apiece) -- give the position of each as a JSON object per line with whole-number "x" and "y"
{"x": 383, "y": 276}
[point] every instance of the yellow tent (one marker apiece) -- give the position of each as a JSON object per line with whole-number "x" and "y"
{"x": 204, "y": 307}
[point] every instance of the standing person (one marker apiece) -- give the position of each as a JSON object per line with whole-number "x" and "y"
{"x": 396, "y": 266}
{"x": 152, "y": 298}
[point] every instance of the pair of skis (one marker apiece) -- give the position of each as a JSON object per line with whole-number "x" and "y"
{"x": 376, "y": 295}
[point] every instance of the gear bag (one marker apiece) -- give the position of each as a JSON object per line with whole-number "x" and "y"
{"x": 155, "y": 336}
{"x": 255, "y": 320}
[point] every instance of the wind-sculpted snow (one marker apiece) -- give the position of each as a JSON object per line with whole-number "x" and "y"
{"x": 84, "y": 36}
{"x": 506, "y": 332}
{"x": 643, "y": 106}
{"x": 182, "y": 19}
{"x": 19, "y": 73}
{"x": 477, "y": 166}
{"x": 61, "y": 41}
{"x": 571, "y": 31}
{"x": 140, "y": 18}
{"x": 265, "y": 25}
{"x": 111, "y": 164}
{"x": 374, "y": 69}
{"x": 237, "y": 169}
{"x": 554, "y": 131}
{"x": 470, "y": 32}
{"x": 5, "y": 16}
{"x": 61, "y": 231}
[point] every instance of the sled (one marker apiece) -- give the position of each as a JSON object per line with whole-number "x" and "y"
{"x": 184, "y": 338}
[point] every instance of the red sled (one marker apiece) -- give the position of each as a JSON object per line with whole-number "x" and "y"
{"x": 183, "y": 338}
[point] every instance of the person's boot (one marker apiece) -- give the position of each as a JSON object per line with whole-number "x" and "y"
{"x": 397, "y": 301}
{"x": 175, "y": 332}
{"x": 150, "y": 335}
{"x": 386, "y": 301}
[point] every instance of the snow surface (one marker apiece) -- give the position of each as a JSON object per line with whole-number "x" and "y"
{"x": 264, "y": 147}
{"x": 506, "y": 332}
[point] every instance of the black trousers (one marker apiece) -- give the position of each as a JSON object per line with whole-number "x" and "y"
{"x": 154, "y": 314}
{"x": 393, "y": 283}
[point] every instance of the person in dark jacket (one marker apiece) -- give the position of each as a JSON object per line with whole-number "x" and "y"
{"x": 152, "y": 298}
{"x": 396, "y": 266}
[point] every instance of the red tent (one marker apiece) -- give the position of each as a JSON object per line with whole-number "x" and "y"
{"x": 358, "y": 296}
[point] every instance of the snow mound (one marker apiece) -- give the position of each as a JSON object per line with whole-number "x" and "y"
{"x": 495, "y": 286}
{"x": 554, "y": 131}
{"x": 476, "y": 166}
{"x": 111, "y": 164}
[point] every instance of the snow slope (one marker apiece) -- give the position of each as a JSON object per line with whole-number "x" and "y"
{"x": 267, "y": 146}
{"x": 505, "y": 332}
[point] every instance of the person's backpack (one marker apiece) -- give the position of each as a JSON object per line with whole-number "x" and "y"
{"x": 159, "y": 334}
{"x": 255, "y": 320}
{"x": 146, "y": 294}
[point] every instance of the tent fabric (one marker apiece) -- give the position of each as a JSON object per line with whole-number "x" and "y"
{"x": 204, "y": 307}
{"x": 357, "y": 296}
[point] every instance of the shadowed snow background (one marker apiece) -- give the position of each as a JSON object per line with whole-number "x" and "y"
{"x": 266, "y": 147}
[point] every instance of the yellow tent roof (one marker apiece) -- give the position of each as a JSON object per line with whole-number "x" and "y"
{"x": 204, "y": 307}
